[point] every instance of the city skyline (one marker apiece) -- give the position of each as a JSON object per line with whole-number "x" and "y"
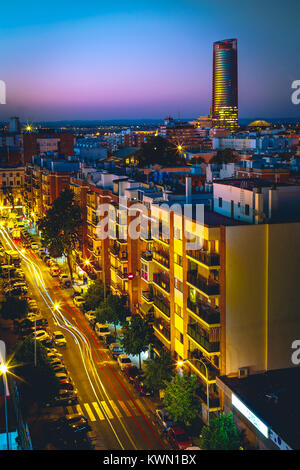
{"x": 137, "y": 61}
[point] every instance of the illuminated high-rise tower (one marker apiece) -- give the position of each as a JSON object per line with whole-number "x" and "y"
{"x": 225, "y": 84}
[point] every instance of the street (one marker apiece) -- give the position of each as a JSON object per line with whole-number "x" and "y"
{"x": 117, "y": 414}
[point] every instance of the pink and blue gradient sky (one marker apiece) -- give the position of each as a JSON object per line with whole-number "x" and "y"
{"x": 140, "y": 59}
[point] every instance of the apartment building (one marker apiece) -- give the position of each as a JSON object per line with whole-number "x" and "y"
{"x": 11, "y": 181}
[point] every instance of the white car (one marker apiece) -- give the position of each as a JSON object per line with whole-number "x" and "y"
{"x": 79, "y": 301}
{"x": 40, "y": 335}
{"x": 102, "y": 330}
{"x": 35, "y": 246}
{"x": 59, "y": 339}
{"x": 124, "y": 361}
{"x": 54, "y": 355}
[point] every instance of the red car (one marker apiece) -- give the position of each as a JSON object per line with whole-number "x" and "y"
{"x": 178, "y": 438}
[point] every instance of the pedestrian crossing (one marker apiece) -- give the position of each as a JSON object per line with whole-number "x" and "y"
{"x": 110, "y": 409}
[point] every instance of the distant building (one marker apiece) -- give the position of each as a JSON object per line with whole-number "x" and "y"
{"x": 225, "y": 84}
{"x": 182, "y": 134}
{"x": 42, "y": 141}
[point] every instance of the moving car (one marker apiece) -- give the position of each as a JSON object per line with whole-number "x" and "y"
{"x": 178, "y": 438}
{"x": 123, "y": 361}
{"x": 115, "y": 350}
{"x": 59, "y": 339}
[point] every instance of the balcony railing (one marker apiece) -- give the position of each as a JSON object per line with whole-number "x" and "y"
{"x": 161, "y": 281}
{"x": 121, "y": 274}
{"x": 162, "y": 305}
{"x": 202, "y": 341}
{"x": 147, "y": 295}
{"x": 205, "y": 312}
{"x": 146, "y": 256}
{"x": 161, "y": 328}
{"x": 209, "y": 259}
{"x": 162, "y": 258}
{"x": 205, "y": 285}
{"x": 212, "y": 371}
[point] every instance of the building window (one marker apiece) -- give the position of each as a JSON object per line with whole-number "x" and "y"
{"x": 178, "y": 259}
{"x": 179, "y": 336}
{"x": 178, "y": 284}
{"x": 178, "y": 310}
{"x": 220, "y": 202}
{"x": 247, "y": 209}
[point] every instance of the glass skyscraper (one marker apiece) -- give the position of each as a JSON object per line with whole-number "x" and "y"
{"x": 225, "y": 84}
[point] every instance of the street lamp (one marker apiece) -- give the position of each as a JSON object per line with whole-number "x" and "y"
{"x": 181, "y": 363}
{"x": 3, "y": 371}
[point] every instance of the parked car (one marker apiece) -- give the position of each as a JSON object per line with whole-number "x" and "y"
{"x": 102, "y": 330}
{"x": 90, "y": 316}
{"x": 59, "y": 339}
{"x": 54, "y": 270}
{"x": 115, "y": 350}
{"x": 65, "y": 280}
{"x": 79, "y": 301}
{"x": 123, "y": 361}
{"x": 64, "y": 397}
{"x": 40, "y": 335}
{"x": 75, "y": 421}
{"x": 35, "y": 246}
{"x": 131, "y": 372}
{"x": 162, "y": 419}
{"x": 109, "y": 339}
{"x": 141, "y": 387}
{"x": 178, "y": 438}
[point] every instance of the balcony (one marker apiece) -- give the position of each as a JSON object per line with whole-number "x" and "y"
{"x": 146, "y": 256}
{"x": 162, "y": 281}
{"x": 162, "y": 258}
{"x": 147, "y": 296}
{"x": 161, "y": 329}
{"x": 205, "y": 285}
{"x": 114, "y": 250}
{"x": 161, "y": 305}
{"x": 121, "y": 274}
{"x": 205, "y": 312}
{"x": 209, "y": 259}
{"x": 202, "y": 341}
{"x": 194, "y": 356}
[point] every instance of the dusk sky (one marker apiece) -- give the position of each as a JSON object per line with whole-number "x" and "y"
{"x": 144, "y": 59}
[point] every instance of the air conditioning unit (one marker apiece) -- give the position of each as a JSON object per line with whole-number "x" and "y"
{"x": 243, "y": 372}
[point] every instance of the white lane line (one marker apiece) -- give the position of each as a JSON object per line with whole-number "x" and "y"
{"x": 107, "y": 410}
{"x": 142, "y": 407}
{"x": 125, "y": 409}
{"x": 134, "y": 409}
{"x": 98, "y": 411}
{"x": 89, "y": 412}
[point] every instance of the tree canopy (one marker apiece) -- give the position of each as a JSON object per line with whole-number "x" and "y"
{"x": 39, "y": 383}
{"x": 225, "y": 156}
{"x": 158, "y": 151}
{"x": 61, "y": 227}
{"x": 112, "y": 310}
{"x": 94, "y": 295}
{"x": 221, "y": 434}
{"x": 14, "y": 308}
{"x": 138, "y": 334}
{"x": 159, "y": 371}
{"x": 180, "y": 399}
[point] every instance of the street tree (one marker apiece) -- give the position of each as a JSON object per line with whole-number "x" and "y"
{"x": 94, "y": 295}
{"x": 180, "y": 399}
{"x": 14, "y": 308}
{"x": 159, "y": 371}
{"x": 227, "y": 155}
{"x": 112, "y": 310}
{"x": 137, "y": 336}
{"x": 61, "y": 227}
{"x": 221, "y": 434}
{"x": 158, "y": 151}
{"x": 38, "y": 383}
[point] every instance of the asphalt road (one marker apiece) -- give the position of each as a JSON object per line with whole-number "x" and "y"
{"x": 119, "y": 416}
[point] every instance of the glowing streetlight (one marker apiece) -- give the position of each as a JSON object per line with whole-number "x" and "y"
{"x": 3, "y": 368}
{"x": 56, "y": 306}
{"x": 87, "y": 262}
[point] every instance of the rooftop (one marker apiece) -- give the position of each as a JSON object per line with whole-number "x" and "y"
{"x": 250, "y": 183}
{"x": 274, "y": 397}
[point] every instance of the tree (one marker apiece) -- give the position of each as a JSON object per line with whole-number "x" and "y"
{"x": 61, "y": 227}
{"x": 158, "y": 151}
{"x": 94, "y": 295}
{"x": 221, "y": 434}
{"x": 112, "y": 310}
{"x": 14, "y": 307}
{"x": 39, "y": 383}
{"x": 225, "y": 156}
{"x": 159, "y": 371}
{"x": 137, "y": 336}
{"x": 180, "y": 399}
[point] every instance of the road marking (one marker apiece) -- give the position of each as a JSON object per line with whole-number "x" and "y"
{"x": 116, "y": 409}
{"x": 134, "y": 409}
{"x": 89, "y": 411}
{"x": 98, "y": 411}
{"x": 107, "y": 410}
{"x": 142, "y": 407}
{"x": 79, "y": 409}
{"x": 125, "y": 409}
